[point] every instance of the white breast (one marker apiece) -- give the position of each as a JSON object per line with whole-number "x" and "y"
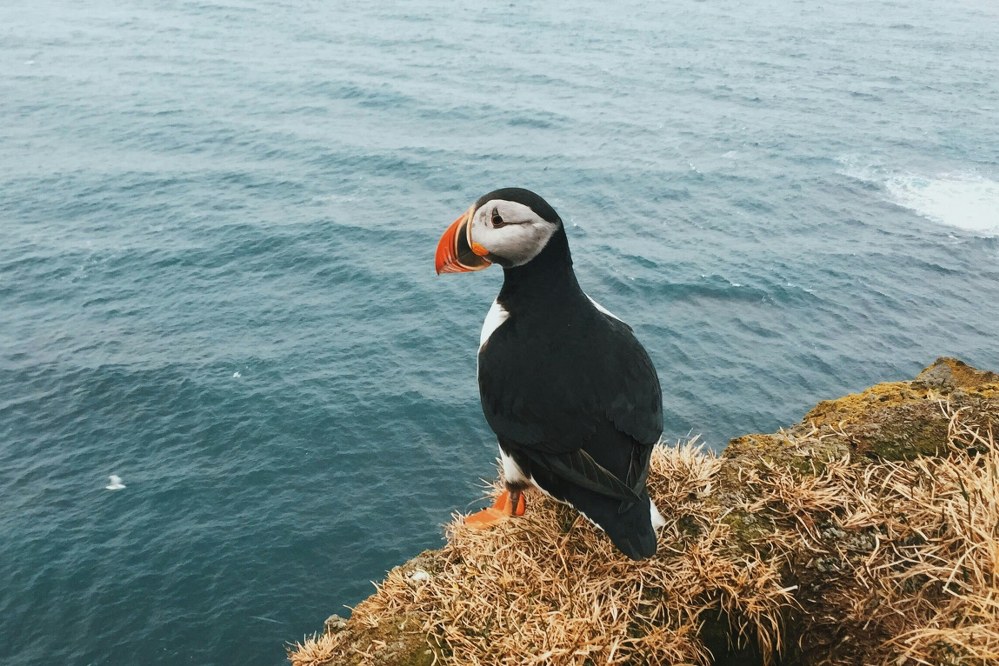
{"x": 494, "y": 319}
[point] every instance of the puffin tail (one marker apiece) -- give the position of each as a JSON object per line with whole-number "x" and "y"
{"x": 628, "y": 516}
{"x": 632, "y": 530}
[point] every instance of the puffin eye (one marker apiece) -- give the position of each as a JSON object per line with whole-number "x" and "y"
{"x": 497, "y": 219}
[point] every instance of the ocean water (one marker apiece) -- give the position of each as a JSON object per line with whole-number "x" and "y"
{"x": 217, "y": 229}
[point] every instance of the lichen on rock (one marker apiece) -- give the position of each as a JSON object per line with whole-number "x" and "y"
{"x": 868, "y": 533}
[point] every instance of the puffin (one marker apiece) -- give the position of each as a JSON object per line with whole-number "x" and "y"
{"x": 572, "y": 396}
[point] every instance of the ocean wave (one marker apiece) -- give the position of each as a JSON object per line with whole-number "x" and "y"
{"x": 962, "y": 199}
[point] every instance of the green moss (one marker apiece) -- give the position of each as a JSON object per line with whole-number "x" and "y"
{"x": 748, "y": 529}
{"x": 908, "y": 439}
{"x": 402, "y": 639}
{"x": 806, "y": 458}
{"x": 861, "y": 407}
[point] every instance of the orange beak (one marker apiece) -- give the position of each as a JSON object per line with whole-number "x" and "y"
{"x": 456, "y": 252}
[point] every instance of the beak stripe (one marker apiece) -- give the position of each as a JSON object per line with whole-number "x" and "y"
{"x": 456, "y": 253}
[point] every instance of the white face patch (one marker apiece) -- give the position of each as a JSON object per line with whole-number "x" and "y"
{"x": 510, "y": 230}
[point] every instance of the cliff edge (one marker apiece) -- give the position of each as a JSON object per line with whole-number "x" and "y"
{"x": 868, "y": 533}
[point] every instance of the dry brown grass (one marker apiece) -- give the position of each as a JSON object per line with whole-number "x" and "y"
{"x": 849, "y": 562}
{"x": 930, "y": 580}
{"x": 897, "y": 561}
{"x": 536, "y": 590}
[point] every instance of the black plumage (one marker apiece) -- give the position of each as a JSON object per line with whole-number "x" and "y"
{"x": 571, "y": 394}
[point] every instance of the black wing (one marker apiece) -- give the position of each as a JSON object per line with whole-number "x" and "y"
{"x": 583, "y": 401}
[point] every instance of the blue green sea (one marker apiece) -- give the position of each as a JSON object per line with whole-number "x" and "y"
{"x": 217, "y": 228}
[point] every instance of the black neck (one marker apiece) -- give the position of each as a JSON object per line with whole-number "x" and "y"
{"x": 549, "y": 273}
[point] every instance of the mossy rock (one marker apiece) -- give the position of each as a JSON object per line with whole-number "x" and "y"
{"x": 903, "y": 420}
{"x": 397, "y": 640}
{"x": 951, "y": 373}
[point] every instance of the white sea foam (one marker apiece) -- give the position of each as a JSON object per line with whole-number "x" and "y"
{"x": 965, "y": 200}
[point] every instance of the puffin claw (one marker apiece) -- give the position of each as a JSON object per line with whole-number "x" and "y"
{"x": 506, "y": 505}
{"x": 518, "y": 505}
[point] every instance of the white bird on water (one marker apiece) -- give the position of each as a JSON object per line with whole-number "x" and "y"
{"x": 114, "y": 483}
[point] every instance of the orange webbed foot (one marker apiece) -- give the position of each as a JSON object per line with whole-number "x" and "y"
{"x": 506, "y": 505}
{"x": 518, "y": 503}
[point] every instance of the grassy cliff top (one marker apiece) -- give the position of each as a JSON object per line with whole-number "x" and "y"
{"x": 868, "y": 533}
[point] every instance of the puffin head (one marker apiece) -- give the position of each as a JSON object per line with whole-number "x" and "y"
{"x": 509, "y": 227}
